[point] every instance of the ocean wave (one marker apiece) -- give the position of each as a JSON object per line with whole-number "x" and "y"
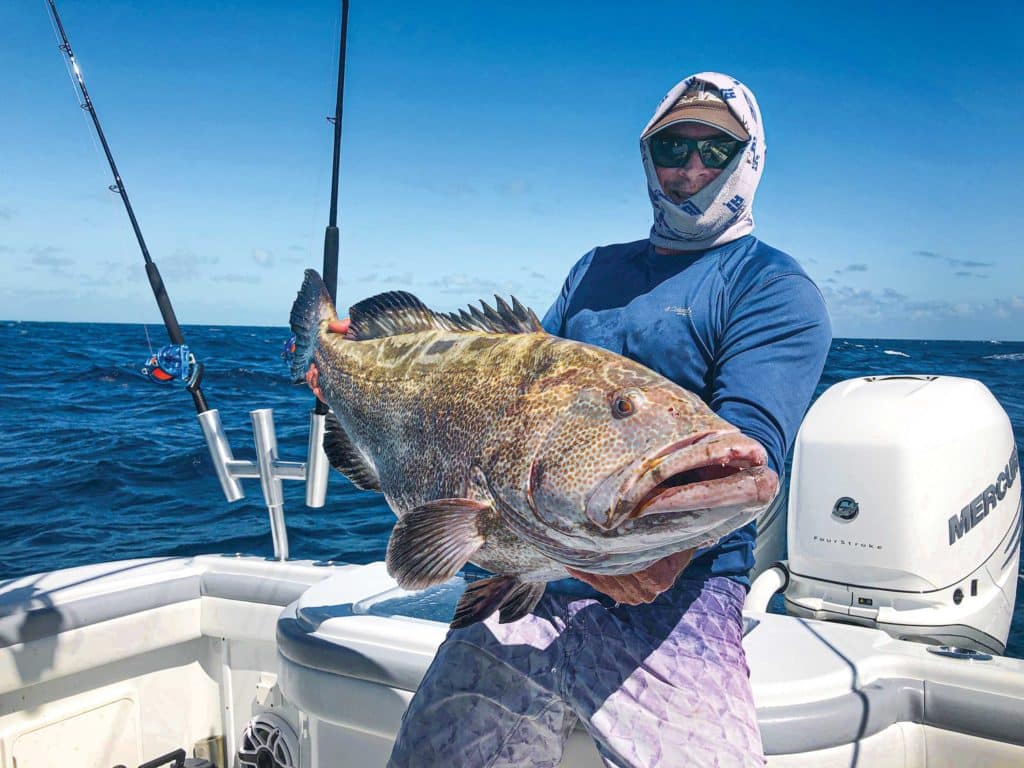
{"x": 100, "y": 464}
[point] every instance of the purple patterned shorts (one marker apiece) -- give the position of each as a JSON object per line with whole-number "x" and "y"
{"x": 664, "y": 684}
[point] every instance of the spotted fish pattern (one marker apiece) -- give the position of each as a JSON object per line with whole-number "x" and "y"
{"x": 499, "y": 444}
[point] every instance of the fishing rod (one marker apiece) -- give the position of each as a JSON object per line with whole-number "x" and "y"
{"x": 179, "y": 361}
{"x": 330, "y": 273}
{"x": 317, "y": 465}
{"x": 270, "y": 470}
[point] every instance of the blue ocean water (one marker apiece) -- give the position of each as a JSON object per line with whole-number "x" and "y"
{"x": 97, "y": 463}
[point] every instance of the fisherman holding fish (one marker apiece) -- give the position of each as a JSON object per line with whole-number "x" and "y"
{"x": 599, "y": 468}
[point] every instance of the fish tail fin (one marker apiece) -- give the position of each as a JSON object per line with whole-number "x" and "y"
{"x": 312, "y": 306}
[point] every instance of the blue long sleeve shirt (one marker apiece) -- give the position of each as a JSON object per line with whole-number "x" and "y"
{"x": 741, "y": 325}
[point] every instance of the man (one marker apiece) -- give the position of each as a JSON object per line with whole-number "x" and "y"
{"x": 704, "y": 303}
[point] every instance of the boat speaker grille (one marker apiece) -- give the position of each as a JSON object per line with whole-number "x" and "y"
{"x": 268, "y": 742}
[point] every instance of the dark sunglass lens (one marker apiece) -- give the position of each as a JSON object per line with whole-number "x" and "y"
{"x": 717, "y": 154}
{"x": 669, "y": 151}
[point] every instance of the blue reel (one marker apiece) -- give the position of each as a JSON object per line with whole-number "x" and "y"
{"x": 288, "y": 350}
{"x": 173, "y": 363}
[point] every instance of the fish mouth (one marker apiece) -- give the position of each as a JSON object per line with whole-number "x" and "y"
{"x": 721, "y": 471}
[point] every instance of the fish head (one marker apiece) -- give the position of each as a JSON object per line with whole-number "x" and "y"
{"x": 637, "y": 458}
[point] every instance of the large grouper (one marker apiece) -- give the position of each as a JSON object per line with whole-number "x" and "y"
{"x": 532, "y": 456}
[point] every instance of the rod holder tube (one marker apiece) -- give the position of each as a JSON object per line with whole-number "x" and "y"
{"x": 220, "y": 454}
{"x": 240, "y": 468}
{"x": 317, "y": 466}
{"x": 270, "y": 481}
{"x": 279, "y": 533}
{"x": 290, "y": 470}
{"x": 771, "y": 581}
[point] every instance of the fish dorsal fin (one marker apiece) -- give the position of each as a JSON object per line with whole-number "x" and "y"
{"x": 346, "y": 458}
{"x": 505, "y": 319}
{"x": 392, "y": 314}
{"x": 398, "y": 312}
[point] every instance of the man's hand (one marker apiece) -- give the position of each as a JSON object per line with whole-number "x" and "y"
{"x": 313, "y": 374}
{"x": 640, "y": 587}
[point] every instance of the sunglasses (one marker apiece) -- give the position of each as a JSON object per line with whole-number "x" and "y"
{"x": 670, "y": 151}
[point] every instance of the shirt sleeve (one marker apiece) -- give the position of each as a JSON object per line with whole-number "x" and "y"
{"x": 554, "y": 320}
{"x": 773, "y": 346}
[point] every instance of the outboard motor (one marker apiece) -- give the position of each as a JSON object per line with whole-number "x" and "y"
{"x": 905, "y": 511}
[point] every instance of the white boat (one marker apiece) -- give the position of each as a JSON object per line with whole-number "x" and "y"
{"x": 903, "y": 527}
{"x": 242, "y": 661}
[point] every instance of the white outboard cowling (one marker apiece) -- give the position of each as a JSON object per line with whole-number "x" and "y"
{"x": 905, "y": 511}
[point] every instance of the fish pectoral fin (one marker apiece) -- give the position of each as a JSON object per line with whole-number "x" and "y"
{"x": 433, "y": 542}
{"x": 346, "y": 458}
{"x": 514, "y": 598}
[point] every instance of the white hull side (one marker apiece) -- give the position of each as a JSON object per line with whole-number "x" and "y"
{"x": 122, "y": 662}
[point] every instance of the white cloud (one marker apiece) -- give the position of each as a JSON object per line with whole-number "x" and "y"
{"x": 515, "y": 188}
{"x": 47, "y": 256}
{"x": 235, "y": 277}
{"x": 472, "y": 286}
{"x": 953, "y": 262}
{"x": 892, "y": 306}
{"x": 181, "y": 266}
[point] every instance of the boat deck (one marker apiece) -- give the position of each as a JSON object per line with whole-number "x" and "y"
{"x": 121, "y": 662}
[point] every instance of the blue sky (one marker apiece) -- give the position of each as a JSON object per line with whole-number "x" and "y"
{"x": 487, "y": 146}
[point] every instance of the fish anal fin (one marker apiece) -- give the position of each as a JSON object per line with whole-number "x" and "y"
{"x": 346, "y": 458}
{"x": 433, "y": 542}
{"x": 521, "y": 601}
{"x": 507, "y": 594}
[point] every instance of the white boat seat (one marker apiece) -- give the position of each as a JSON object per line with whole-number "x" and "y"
{"x": 815, "y": 696}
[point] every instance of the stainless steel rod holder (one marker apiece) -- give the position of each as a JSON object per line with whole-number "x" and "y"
{"x": 268, "y": 468}
{"x": 317, "y": 466}
{"x": 270, "y": 477}
{"x": 220, "y": 454}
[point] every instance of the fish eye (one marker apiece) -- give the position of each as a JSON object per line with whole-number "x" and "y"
{"x": 625, "y": 404}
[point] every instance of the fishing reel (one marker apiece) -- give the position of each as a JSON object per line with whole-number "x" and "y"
{"x": 288, "y": 350}
{"x": 173, "y": 364}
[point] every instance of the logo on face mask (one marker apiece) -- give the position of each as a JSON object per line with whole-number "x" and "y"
{"x": 735, "y": 204}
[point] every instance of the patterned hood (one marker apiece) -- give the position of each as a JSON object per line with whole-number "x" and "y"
{"x": 721, "y": 212}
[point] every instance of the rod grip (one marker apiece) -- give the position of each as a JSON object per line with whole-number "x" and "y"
{"x": 331, "y": 262}
{"x": 163, "y": 301}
